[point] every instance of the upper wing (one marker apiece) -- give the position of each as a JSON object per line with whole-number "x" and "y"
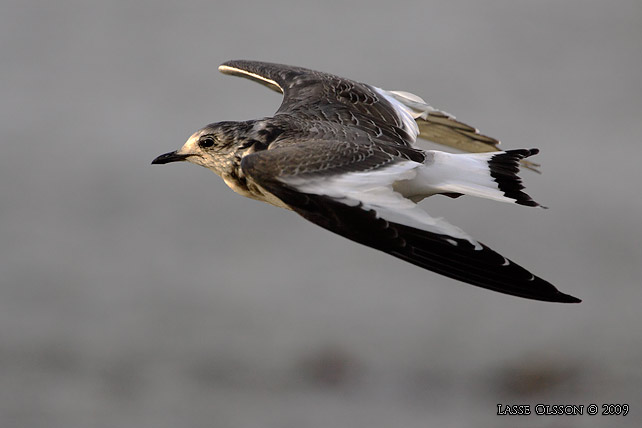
{"x": 318, "y": 96}
{"x": 443, "y": 128}
{"x": 395, "y": 116}
{"x": 347, "y": 189}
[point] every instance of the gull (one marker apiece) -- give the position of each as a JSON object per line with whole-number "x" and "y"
{"x": 343, "y": 155}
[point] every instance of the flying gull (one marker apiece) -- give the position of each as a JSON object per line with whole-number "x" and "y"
{"x": 342, "y": 154}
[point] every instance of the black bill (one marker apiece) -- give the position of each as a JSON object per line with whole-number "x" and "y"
{"x": 170, "y": 157}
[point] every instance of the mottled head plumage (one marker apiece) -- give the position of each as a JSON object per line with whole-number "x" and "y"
{"x": 214, "y": 146}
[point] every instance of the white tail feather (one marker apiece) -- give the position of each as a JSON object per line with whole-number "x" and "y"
{"x": 485, "y": 175}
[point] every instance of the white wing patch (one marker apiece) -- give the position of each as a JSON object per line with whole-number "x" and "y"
{"x": 374, "y": 190}
{"x": 444, "y": 128}
{"x": 417, "y": 106}
{"x": 403, "y": 112}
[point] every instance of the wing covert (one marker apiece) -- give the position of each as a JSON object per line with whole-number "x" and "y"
{"x": 313, "y": 95}
{"x": 389, "y": 115}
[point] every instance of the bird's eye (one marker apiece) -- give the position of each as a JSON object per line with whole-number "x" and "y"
{"x": 206, "y": 142}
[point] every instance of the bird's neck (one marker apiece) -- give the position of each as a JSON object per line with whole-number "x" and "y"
{"x": 250, "y": 137}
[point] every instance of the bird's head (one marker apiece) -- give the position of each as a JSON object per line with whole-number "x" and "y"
{"x": 212, "y": 147}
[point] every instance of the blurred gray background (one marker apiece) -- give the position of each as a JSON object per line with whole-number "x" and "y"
{"x": 134, "y": 295}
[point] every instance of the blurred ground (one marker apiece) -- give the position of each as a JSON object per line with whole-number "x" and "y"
{"x": 133, "y": 295}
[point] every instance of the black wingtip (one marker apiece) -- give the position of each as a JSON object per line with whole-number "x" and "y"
{"x": 567, "y": 298}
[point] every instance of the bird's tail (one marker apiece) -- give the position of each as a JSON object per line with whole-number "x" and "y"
{"x": 487, "y": 175}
